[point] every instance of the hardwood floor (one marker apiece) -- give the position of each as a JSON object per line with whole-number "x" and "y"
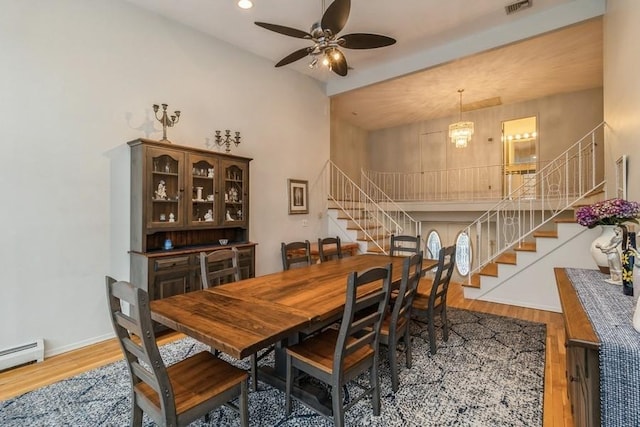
{"x": 557, "y": 410}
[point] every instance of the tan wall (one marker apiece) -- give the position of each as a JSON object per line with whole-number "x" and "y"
{"x": 348, "y": 147}
{"x": 562, "y": 120}
{"x": 622, "y": 85}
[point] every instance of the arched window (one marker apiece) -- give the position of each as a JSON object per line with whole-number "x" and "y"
{"x": 433, "y": 245}
{"x": 463, "y": 253}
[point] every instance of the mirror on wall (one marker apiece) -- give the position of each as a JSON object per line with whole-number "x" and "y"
{"x": 520, "y": 156}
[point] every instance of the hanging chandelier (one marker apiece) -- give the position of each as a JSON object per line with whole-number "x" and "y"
{"x": 460, "y": 132}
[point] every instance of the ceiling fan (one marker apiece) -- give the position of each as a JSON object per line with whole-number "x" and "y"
{"x": 326, "y": 42}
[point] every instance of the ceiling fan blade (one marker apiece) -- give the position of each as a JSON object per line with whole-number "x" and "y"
{"x": 339, "y": 64}
{"x": 365, "y": 41}
{"x": 336, "y": 15}
{"x": 298, "y": 54}
{"x": 287, "y": 31}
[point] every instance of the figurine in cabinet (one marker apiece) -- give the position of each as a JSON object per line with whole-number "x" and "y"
{"x": 229, "y": 216}
{"x": 172, "y": 217}
{"x": 209, "y": 215}
{"x": 210, "y": 173}
{"x": 233, "y": 194}
{"x": 161, "y": 192}
{"x": 239, "y": 214}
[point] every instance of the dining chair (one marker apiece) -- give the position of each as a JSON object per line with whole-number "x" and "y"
{"x": 337, "y": 356}
{"x": 295, "y": 254}
{"x": 333, "y": 249}
{"x": 174, "y": 395}
{"x": 219, "y": 267}
{"x": 404, "y": 245}
{"x": 395, "y": 325}
{"x": 430, "y": 301}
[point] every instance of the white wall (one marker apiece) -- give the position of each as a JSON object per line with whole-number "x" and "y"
{"x": 78, "y": 81}
{"x": 622, "y": 91}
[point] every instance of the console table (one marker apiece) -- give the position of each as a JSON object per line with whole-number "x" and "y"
{"x": 603, "y": 349}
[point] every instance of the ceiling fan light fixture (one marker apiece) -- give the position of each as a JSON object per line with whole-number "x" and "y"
{"x": 325, "y": 39}
{"x": 461, "y": 132}
{"x": 245, "y": 4}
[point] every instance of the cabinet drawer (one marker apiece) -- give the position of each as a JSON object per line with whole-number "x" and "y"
{"x": 168, "y": 263}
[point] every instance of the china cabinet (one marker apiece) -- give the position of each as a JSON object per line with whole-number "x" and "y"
{"x": 184, "y": 201}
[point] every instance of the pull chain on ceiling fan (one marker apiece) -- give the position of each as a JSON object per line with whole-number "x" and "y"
{"x": 326, "y": 42}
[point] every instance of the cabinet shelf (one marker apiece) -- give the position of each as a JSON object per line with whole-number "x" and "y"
{"x": 165, "y": 173}
{"x": 165, "y": 200}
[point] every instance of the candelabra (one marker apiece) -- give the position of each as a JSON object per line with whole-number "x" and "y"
{"x": 166, "y": 120}
{"x": 226, "y": 140}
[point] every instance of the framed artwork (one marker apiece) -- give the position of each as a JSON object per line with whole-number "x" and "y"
{"x": 298, "y": 196}
{"x": 621, "y": 177}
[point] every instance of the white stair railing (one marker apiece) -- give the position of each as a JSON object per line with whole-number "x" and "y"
{"x": 554, "y": 188}
{"x": 372, "y": 219}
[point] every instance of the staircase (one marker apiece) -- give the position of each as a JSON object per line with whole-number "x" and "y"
{"x": 358, "y": 217}
{"x": 524, "y": 276}
{"x": 521, "y": 239}
{"x": 515, "y": 245}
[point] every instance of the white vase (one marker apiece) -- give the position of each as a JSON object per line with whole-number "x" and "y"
{"x": 607, "y": 232}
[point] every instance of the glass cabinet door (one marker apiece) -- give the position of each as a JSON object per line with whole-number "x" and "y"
{"x": 203, "y": 198}
{"x": 235, "y": 193}
{"x": 164, "y": 187}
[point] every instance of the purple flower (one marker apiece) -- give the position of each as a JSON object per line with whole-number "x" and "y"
{"x": 608, "y": 212}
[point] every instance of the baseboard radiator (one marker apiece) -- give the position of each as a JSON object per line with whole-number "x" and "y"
{"x": 19, "y": 355}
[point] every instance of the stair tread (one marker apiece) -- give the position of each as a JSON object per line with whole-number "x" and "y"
{"x": 565, "y": 220}
{"x": 490, "y": 269}
{"x": 475, "y": 282}
{"x": 507, "y": 258}
{"x": 526, "y": 247}
{"x": 545, "y": 233}
{"x": 368, "y": 227}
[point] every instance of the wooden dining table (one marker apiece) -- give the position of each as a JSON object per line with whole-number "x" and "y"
{"x": 243, "y": 317}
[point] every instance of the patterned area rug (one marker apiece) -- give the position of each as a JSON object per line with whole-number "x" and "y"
{"x": 489, "y": 373}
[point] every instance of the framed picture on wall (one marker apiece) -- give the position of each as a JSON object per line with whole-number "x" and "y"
{"x": 298, "y": 196}
{"x": 621, "y": 177}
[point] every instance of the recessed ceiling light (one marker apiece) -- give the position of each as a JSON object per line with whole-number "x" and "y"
{"x": 245, "y": 4}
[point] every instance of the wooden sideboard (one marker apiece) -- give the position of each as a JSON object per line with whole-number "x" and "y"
{"x": 583, "y": 373}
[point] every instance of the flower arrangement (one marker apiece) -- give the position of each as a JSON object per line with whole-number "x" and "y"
{"x": 608, "y": 212}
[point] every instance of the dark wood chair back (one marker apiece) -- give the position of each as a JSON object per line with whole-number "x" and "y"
{"x": 295, "y": 254}
{"x": 435, "y": 301}
{"x": 182, "y": 393}
{"x": 219, "y": 267}
{"x": 329, "y": 248}
{"x": 396, "y": 324}
{"x": 339, "y": 356}
{"x": 363, "y": 315}
{"x": 404, "y": 245}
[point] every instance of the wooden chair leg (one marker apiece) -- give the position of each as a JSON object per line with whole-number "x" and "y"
{"x": 445, "y": 324}
{"x": 375, "y": 385}
{"x": 407, "y": 345}
{"x": 244, "y": 404}
{"x": 136, "y": 414}
{"x": 393, "y": 362}
{"x": 432, "y": 335}
{"x": 338, "y": 408}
